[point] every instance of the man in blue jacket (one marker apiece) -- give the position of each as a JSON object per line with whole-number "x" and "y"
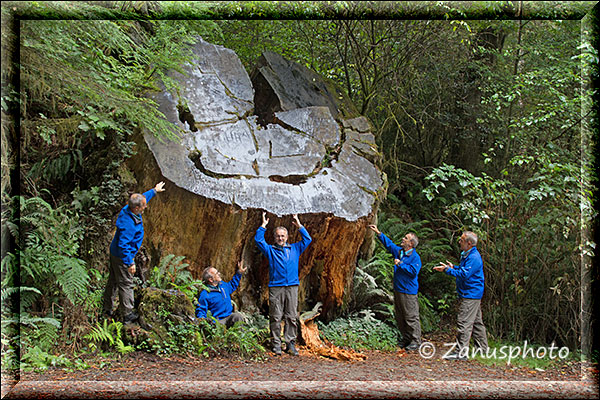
{"x": 407, "y": 264}
{"x": 217, "y": 299}
{"x": 283, "y": 282}
{"x": 469, "y": 286}
{"x": 123, "y": 248}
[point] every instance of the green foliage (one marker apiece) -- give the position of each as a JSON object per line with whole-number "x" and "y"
{"x": 209, "y": 338}
{"x": 171, "y": 273}
{"x": 360, "y": 331}
{"x": 108, "y": 335}
{"x": 239, "y": 340}
{"x": 48, "y": 251}
{"x": 528, "y": 232}
{"x": 49, "y": 270}
{"x": 429, "y": 317}
{"x": 371, "y": 288}
{"x": 524, "y": 354}
{"x": 40, "y": 360}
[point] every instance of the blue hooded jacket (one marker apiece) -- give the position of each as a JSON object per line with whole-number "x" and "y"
{"x": 406, "y": 273}
{"x": 218, "y": 299}
{"x": 129, "y": 234}
{"x": 469, "y": 275}
{"x": 283, "y": 261}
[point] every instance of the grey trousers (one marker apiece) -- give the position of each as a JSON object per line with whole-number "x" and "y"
{"x": 121, "y": 280}
{"x": 406, "y": 308}
{"x": 470, "y": 323}
{"x": 232, "y": 319}
{"x": 283, "y": 304}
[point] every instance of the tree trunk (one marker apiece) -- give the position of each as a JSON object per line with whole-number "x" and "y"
{"x": 303, "y": 150}
{"x": 470, "y": 141}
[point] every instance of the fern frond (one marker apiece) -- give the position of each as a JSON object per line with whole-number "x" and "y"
{"x": 26, "y": 319}
{"x": 102, "y": 333}
{"x": 72, "y": 276}
{"x": 9, "y": 291}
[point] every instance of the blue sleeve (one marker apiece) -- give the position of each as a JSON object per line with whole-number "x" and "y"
{"x": 259, "y": 238}
{"x": 306, "y": 240}
{"x": 390, "y": 246}
{"x": 234, "y": 282}
{"x": 468, "y": 268}
{"x": 126, "y": 232}
{"x": 149, "y": 195}
{"x": 412, "y": 265}
{"x": 202, "y": 305}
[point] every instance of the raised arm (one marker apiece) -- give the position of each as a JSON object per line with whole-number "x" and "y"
{"x": 259, "y": 237}
{"x": 390, "y": 246}
{"x": 306, "y": 239}
{"x": 296, "y": 221}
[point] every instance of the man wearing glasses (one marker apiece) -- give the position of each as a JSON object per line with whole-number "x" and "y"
{"x": 469, "y": 286}
{"x": 407, "y": 264}
{"x": 217, "y": 299}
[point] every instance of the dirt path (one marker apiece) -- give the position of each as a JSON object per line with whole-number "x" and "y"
{"x": 380, "y": 375}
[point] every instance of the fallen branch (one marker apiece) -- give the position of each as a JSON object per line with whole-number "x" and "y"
{"x": 314, "y": 344}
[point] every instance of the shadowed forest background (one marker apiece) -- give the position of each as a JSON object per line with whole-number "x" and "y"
{"x": 481, "y": 125}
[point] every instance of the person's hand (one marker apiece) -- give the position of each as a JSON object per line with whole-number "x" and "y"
{"x": 241, "y": 267}
{"x": 159, "y": 187}
{"x": 374, "y": 229}
{"x": 443, "y": 266}
{"x": 397, "y": 261}
{"x": 265, "y": 220}
{"x": 296, "y": 221}
{"x": 131, "y": 269}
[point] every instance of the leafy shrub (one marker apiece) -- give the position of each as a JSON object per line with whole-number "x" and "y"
{"x": 38, "y": 359}
{"x": 44, "y": 269}
{"x": 530, "y": 241}
{"x": 208, "y": 338}
{"x": 48, "y": 245}
{"x": 215, "y": 339}
{"x": 429, "y": 318}
{"x": 360, "y": 331}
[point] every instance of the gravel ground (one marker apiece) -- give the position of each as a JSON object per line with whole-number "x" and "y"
{"x": 380, "y": 375}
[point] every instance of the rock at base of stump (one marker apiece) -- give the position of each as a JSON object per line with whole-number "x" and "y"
{"x": 157, "y": 308}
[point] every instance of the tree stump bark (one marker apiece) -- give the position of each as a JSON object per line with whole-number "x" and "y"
{"x": 286, "y": 142}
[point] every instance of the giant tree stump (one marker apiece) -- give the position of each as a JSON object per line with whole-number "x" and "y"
{"x": 287, "y": 142}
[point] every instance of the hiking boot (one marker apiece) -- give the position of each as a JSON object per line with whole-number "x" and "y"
{"x": 132, "y": 316}
{"x": 291, "y": 349}
{"x": 277, "y": 350}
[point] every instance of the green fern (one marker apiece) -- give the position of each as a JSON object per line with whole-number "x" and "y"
{"x": 172, "y": 273}
{"x": 103, "y": 333}
{"x": 71, "y": 275}
{"x": 27, "y": 320}
{"x": 48, "y": 250}
{"x": 26, "y": 295}
{"x": 109, "y": 334}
